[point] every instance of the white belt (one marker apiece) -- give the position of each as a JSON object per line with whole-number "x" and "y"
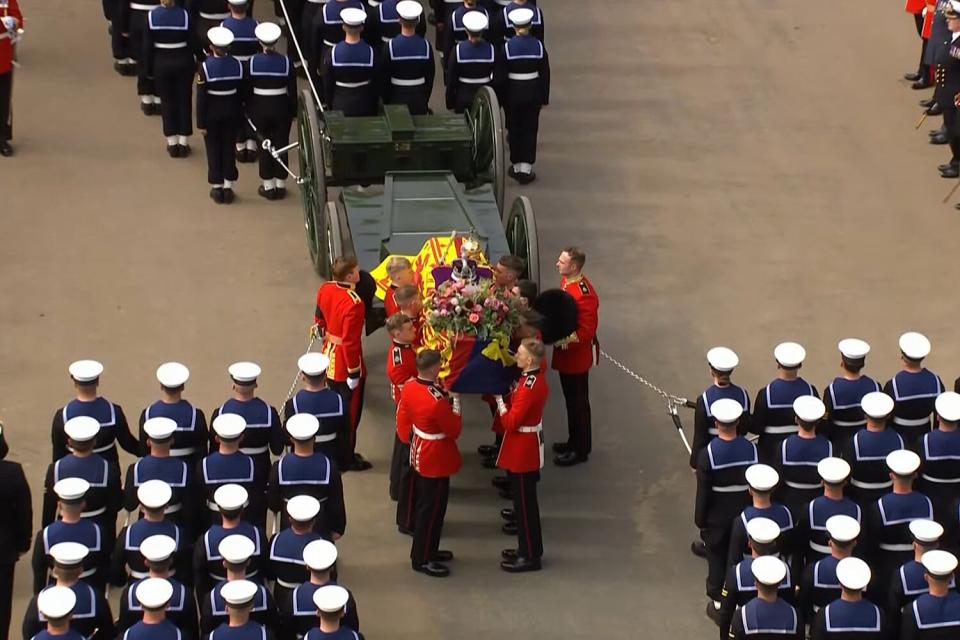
{"x": 282, "y": 91}
{"x": 225, "y": 92}
{"x": 329, "y": 44}
{"x": 325, "y": 437}
{"x": 173, "y": 508}
{"x": 317, "y": 1}
{"x": 214, "y": 16}
{"x": 537, "y": 428}
{"x": 801, "y": 485}
{"x": 140, "y": 575}
{"x": 94, "y": 513}
{"x": 870, "y": 485}
{"x": 170, "y": 45}
{"x": 477, "y": 80}
{"x": 88, "y": 573}
{"x": 143, "y": 7}
{"x": 183, "y": 452}
{"x": 849, "y": 423}
{"x": 896, "y": 547}
{"x": 821, "y": 548}
{"x": 533, "y": 75}
{"x": 940, "y": 480}
{"x": 423, "y": 435}
{"x": 243, "y": 58}
{"x": 385, "y": 38}
{"x": 254, "y": 451}
{"x": 403, "y": 82}
{"x": 732, "y": 488}
{"x": 912, "y": 422}
{"x": 781, "y": 428}
{"x": 288, "y": 585}
{"x": 112, "y": 445}
{"x": 352, "y": 85}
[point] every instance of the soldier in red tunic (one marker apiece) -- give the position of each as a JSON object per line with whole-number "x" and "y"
{"x": 401, "y": 368}
{"x": 428, "y": 412}
{"x": 521, "y": 455}
{"x": 573, "y": 357}
{"x": 401, "y": 273}
{"x": 339, "y": 319}
{"x": 410, "y": 303}
{"x": 10, "y": 20}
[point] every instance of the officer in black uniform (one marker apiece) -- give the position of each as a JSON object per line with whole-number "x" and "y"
{"x": 207, "y": 561}
{"x": 229, "y": 465}
{"x": 271, "y": 107}
{"x": 190, "y": 438}
{"x": 236, "y": 551}
{"x": 351, "y": 70}
{"x": 722, "y": 362}
{"x": 240, "y": 598}
{"x": 851, "y": 616}
{"x": 947, "y": 86}
{"x": 502, "y": 24}
{"x": 113, "y": 423}
{"x": 908, "y": 583}
{"x": 286, "y": 567}
{"x": 939, "y": 451}
{"x": 867, "y": 452}
{"x": 843, "y": 395}
{"x": 15, "y": 532}
{"x": 914, "y": 388}
{"x": 409, "y": 68}
{"x": 818, "y": 584}
{"x": 219, "y": 84}
{"x": 800, "y": 454}
{"x": 773, "y": 417}
{"x": 812, "y": 538}
{"x": 299, "y": 612}
{"x": 322, "y": 402}
{"x": 523, "y": 81}
{"x": 934, "y": 615}
{"x": 767, "y": 617}
{"x": 470, "y": 64}
{"x": 127, "y": 563}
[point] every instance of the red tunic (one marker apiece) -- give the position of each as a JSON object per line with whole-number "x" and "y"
{"x": 340, "y": 312}
{"x": 928, "y": 19}
{"x": 401, "y": 366}
{"x": 522, "y": 448}
{"x": 426, "y": 411}
{"x": 914, "y": 6}
{"x": 576, "y": 356}
{"x": 389, "y": 304}
{"x": 6, "y": 46}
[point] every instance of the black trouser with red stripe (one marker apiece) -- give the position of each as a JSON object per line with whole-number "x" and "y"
{"x": 398, "y": 462}
{"x": 576, "y": 395}
{"x": 527, "y": 510}
{"x": 406, "y": 490}
{"x": 353, "y": 398}
{"x": 431, "y": 496}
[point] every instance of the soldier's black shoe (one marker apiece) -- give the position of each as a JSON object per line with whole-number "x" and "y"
{"x": 922, "y": 83}
{"x": 228, "y": 196}
{"x": 281, "y": 193}
{"x": 950, "y": 172}
{"x": 713, "y": 613}
{"x": 698, "y": 548}
{"x": 929, "y": 102}
{"x": 500, "y": 482}
{"x": 508, "y": 554}
{"x": 944, "y": 167}
{"x": 488, "y": 450}
{"x": 489, "y": 463}
{"x": 184, "y": 150}
{"x": 509, "y": 528}
{"x": 5, "y": 149}
{"x": 940, "y": 138}
{"x": 561, "y": 447}
{"x": 526, "y": 177}
{"x": 269, "y": 194}
{"x": 432, "y": 569}
{"x": 173, "y": 151}
{"x": 358, "y": 463}
{"x": 935, "y": 110}
{"x": 520, "y": 565}
{"x": 508, "y": 515}
{"x": 146, "y": 108}
{"x": 442, "y": 555}
{"x": 406, "y": 532}
{"x": 216, "y": 194}
{"x": 912, "y": 77}
{"x": 568, "y": 459}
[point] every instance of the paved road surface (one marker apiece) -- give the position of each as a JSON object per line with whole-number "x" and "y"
{"x": 738, "y": 172}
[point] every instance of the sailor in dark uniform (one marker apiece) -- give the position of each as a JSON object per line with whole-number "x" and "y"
{"x": 299, "y": 612}
{"x": 722, "y": 489}
{"x": 818, "y": 584}
{"x": 113, "y": 423}
{"x": 762, "y": 480}
{"x": 304, "y": 471}
{"x": 92, "y": 615}
{"x": 914, "y": 389}
{"x": 207, "y": 561}
{"x": 800, "y": 454}
{"x": 127, "y": 563}
{"x": 383, "y": 23}
{"x": 190, "y": 438}
{"x": 131, "y": 23}
{"x": 934, "y": 615}
{"x": 56, "y": 607}
{"x": 908, "y": 583}
{"x": 470, "y": 65}
{"x": 851, "y": 616}
{"x": 939, "y": 455}
{"x": 71, "y": 527}
{"x": 229, "y": 465}
{"x": 153, "y": 595}
{"x": 285, "y": 564}
{"x": 812, "y": 539}
{"x": 206, "y": 14}
{"x": 767, "y": 617}
{"x": 722, "y": 362}
{"x": 503, "y": 22}
{"x": 323, "y": 31}
{"x": 351, "y": 70}
{"x": 522, "y": 78}
{"x": 244, "y": 46}
{"x": 219, "y": 113}
{"x": 867, "y": 452}
{"x": 16, "y": 532}
{"x": 409, "y": 68}
{"x": 331, "y": 602}
{"x": 271, "y": 107}
{"x": 236, "y": 551}
{"x": 239, "y": 597}
{"x": 104, "y": 498}
{"x": 773, "y": 417}
{"x": 158, "y": 553}
{"x": 322, "y": 402}
{"x": 844, "y": 393}
{"x": 455, "y": 32}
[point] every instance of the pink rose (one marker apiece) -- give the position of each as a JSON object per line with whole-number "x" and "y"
{"x": 474, "y": 318}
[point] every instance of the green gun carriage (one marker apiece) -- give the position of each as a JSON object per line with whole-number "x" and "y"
{"x": 403, "y": 179}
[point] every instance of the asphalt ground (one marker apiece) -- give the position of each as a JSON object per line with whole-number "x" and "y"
{"x": 738, "y": 173}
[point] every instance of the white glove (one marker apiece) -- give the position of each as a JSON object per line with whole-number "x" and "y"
{"x": 353, "y": 383}
{"x": 501, "y": 406}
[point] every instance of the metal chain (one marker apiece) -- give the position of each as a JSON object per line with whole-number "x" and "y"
{"x": 673, "y": 401}
{"x": 296, "y": 377}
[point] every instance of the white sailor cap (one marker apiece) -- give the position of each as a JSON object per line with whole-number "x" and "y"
{"x": 409, "y": 10}
{"x": 238, "y": 592}
{"x": 939, "y": 563}
{"x": 521, "y": 17}
{"x": 85, "y": 370}
{"x": 267, "y": 32}
{"x": 172, "y": 374}
{"x": 154, "y": 494}
{"x": 82, "y": 428}
{"x": 475, "y": 21}
{"x": 768, "y": 570}
{"x": 726, "y": 410}
{"x": 56, "y": 602}
{"x": 833, "y": 470}
{"x": 158, "y": 548}
{"x": 763, "y": 530}
{"x": 302, "y": 426}
{"x": 220, "y": 36}
{"x": 229, "y": 425}
{"x": 71, "y": 489}
{"x": 236, "y": 549}
{"x": 353, "y": 16}
{"x": 914, "y": 345}
{"x": 903, "y": 462}
{"x": 948, "y": 406}
{"x": 853, "y": 573}
{"x": 789, "y": 354}
{"x": 230, "y": 497}
{"x": 303, "y": 508}
{"x": 331, "y": 598}
{"x": 843, "y": 528}
{"x": 926, "y": 530}
{"x": 809, "y": 408}
{"x": 762, "y": 477}
{"x": 721, "y": 359}
{"x": 853, "y": 348}
{"x": 246, "y": 372}
{"x": 154, "y": 593}
{"x": 69, "y": 554}
{"x": 313, "y": 363}
{"x": 877, "y": 405}
{"x": 237, "y": 3}
{"x": 320, "y": 555}
{"x": 159, "y": 428}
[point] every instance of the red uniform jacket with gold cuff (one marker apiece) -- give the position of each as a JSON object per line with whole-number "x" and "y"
{"x": 340, "y": 313}
{"x": 425, "y": 410}
{"x": 522, "y": 447}
{"x": 574, "y": 354}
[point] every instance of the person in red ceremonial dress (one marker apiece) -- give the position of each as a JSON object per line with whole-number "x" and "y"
{"x": 11, "y": 19}
{"x": 410, "y": 303}
{"x": 401, "y": 273}
{"x": 401, "y": 368}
